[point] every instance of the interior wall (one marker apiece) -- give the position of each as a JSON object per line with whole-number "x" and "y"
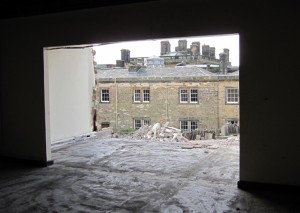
{"x": 71, "y": 80}
{"x": 268, "y": 86}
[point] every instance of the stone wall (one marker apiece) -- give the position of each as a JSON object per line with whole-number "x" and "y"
{"x": 165, "y": 105}
{"x": 227, "y": 111}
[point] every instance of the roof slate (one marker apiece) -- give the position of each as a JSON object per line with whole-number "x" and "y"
{"x": 161, "y": 73}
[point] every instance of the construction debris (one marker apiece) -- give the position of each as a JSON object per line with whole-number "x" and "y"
{"x": 172, "y": 134}
{"x": 158, "y": 132}
{"x": 230, "y": 129}
{"x": 205, "y": 134}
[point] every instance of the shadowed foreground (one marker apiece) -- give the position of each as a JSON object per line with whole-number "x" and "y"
{"x": 125, "y": 175}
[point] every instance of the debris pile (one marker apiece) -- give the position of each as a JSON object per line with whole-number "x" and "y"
{"x": 205, "y": 134}
{"x": 172, "y": 134}
{"x": 230, "y": 129}
{"x": 158, "y": 132}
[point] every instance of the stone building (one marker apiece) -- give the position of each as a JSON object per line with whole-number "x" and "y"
{"x": 187, "y": 97}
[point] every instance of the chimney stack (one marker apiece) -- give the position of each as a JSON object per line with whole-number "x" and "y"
{"x": 225, "y": 50}
{"x": 125, "y": 55}
{"x": 165, "y": 47}
{"x": 120, "y": 63}
{"x": 212, "y": 53}
{"x": 223, "y": 63}
{"x": 205, "y": 51}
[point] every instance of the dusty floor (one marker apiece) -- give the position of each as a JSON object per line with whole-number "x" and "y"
{"x": 125, "y": 175}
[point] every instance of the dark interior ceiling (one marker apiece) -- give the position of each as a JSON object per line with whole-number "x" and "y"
{"x": 22, "y": 8}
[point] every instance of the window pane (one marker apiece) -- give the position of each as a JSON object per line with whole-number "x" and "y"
{"x": 137, "y": 95}
{"x": 232, "y": 95}
{"x": 183, "y": 96}
{"x": 183, "y": 125}
{"x": 137, "y": 124}
{"x": 194, "y": 125}
{"x": 194, "y": 95}
{"x": 105, "y": 95}
{"x": 146, "y": 93}
{"x": 147, "y": 122}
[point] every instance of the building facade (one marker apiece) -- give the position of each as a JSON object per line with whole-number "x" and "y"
{"x": 187, "y": 97}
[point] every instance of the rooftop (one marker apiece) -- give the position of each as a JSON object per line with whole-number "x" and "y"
{"x": 164, "y": 74}
{"x": 172, "y": 54}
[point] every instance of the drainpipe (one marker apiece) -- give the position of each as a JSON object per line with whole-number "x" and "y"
{"x": 116, "y": 87}
{"x": 218, "y": 102}
{"x": 167, "y": 103}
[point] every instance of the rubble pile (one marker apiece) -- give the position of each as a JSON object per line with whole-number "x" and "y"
{"x": 158, "y": 132}
{"x": 230, "y": 129}
{"x": 231, "y": 140}
{"x": 204, "y": 134}
{"x": 172, "y": 134}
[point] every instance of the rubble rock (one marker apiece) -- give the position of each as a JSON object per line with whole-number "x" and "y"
{"x": 159, "y": 132}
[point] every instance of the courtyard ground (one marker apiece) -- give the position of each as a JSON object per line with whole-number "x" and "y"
{"x": 127, "y": 175}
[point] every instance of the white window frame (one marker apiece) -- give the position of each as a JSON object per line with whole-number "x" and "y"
{"x": 193, "y": 125}
{"x": 106, "y": 95}
{"x": 186, "y": 94}
{"x": 181, "y": 124}
{"x": 137, "y": 93}
{"x": 192, "y": 93}
{"x": 135, "y": 121}
{"x": 141, "y": 121}
{"x": 189, "y": 125}
{"x": 234, "y": 97}
{"x": 146, "y": 122}
{"x": 146, "y": 95}
{"x": 141, "y": 95}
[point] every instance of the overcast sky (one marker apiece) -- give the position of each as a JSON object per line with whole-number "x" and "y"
{"x": 109, "y": 53}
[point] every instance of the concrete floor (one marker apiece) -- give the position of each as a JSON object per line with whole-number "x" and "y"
{"x": 125, "y": 175}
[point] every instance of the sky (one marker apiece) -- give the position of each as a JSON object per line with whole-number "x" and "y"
{"x": 109, "y": 53}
